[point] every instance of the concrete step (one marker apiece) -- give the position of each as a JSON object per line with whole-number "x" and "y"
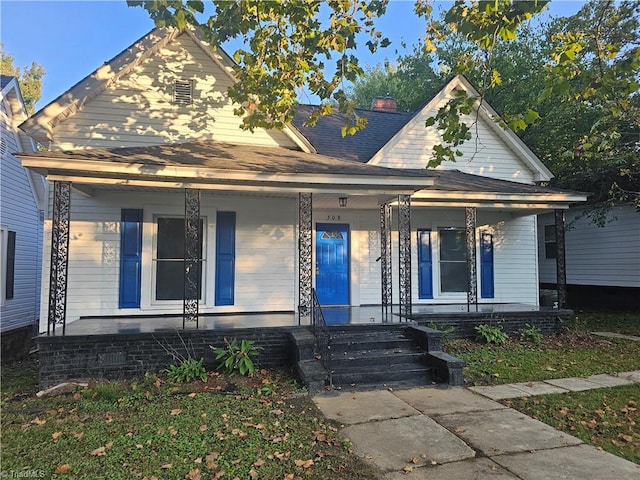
{"x": 355, "y": 358}
{"x": 411, "y": 374}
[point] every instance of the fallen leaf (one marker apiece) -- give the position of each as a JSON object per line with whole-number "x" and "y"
{"x": 167, "y": 466}
{"x": 626, "y": 438}
{"x": 303, "y": 463}
{"x": 64, "y": 468}
{"x": 191, "y": 395}
{"x": 203, "y": 427}
{"x": 414, "y": 460}
{"x": 176, "y": 411}
{"x": 258, "y": 463}
{"x": 193, "y": 474}
{"x": 56, "y": 435}
{"x": 98, "y": 452}
{"x": 253, "y": 473}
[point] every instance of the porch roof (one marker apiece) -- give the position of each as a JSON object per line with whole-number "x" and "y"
{"x": 216, "y": 165}
{"x": 211, "y": 164}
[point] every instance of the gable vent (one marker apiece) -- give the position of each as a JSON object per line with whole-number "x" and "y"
{"x": 3, "y": 146}
{"x": 183, "y": 92}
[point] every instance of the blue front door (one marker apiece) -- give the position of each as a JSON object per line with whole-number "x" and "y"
{"x": 332, "y": 263}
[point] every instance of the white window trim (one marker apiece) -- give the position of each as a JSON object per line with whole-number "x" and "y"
{"x": 149, "y": 245}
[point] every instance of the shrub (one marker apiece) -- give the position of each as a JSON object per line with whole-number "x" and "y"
{"x": 188, "y": 370}
{"x": 236, "y": 357}
{"x": 531, "y": 334}
{"x": 491, "y": 334}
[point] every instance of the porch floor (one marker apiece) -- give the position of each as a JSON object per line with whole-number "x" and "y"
{"x": 333, "y": 316}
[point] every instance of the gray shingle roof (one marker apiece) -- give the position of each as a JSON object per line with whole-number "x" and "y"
{"x": 327, "y": 138}
{"x": 223, "y": 156}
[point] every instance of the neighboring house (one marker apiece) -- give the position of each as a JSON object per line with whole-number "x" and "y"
{"x": 21, "y": 209}
{"x": 602, "y": 263}
{"x": 150, "y": 171}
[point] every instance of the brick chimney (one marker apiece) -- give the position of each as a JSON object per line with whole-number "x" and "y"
{"x": 384, "y": 104}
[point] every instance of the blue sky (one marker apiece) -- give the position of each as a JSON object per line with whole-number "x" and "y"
{"x": 70, "y": 39}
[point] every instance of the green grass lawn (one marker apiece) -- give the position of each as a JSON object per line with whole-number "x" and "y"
{"x": 594, "y": 321}
{"x": 605, "y": 417}
{"x": 150, "y": 428}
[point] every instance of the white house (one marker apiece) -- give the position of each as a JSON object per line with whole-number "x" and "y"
{"x": 21, "y": 209}
{"x": 602, "y": 263}
{"x": 150, "y": 172}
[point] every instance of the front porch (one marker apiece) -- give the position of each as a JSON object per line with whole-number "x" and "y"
{"x": 442, "y": 315}
{"x": 120, "y": 347}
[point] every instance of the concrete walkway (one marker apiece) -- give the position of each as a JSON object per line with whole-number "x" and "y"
{"x": 457, "y": 433}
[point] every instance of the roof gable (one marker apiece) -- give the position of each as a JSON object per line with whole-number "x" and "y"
{"x": 498, "y": 153}
{"x": 13, "y": 112}
{"x": 129, "y": 100}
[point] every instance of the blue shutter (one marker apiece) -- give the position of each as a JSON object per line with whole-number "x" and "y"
{"x": 130, "y": 258}
{"x": 425, "y": 269}
{"x": 225, "y": 257}
{"x": 486, "y": 265}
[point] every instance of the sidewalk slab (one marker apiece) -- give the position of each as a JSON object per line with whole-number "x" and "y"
{"x": 496, "y": 432}
{"x": 617, "y": 335}
{"x": 606, "y": 380}
{"x": 476, "y": 469}
{"x": 359, "y": 407}
{"x": 573, "y": 384}
{"x": 582, "y": 462}
{"x": 392, "y": 444}
{"x": 499, "y": 392}
{"x": 438, "y": 401}
{"x": 633, "y": 376}
{"x": 538, "y": 388}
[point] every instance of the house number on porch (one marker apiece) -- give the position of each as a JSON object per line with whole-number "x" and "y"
{"x": 333, "y": 217}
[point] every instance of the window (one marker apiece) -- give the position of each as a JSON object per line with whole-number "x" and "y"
{"x": 550, "y": 243}
{"x": 8, "y": 266}
{"x": 169, "y": 268}
{"x": 453, "y": 260}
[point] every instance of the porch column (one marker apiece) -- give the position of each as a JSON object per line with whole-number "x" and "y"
{"x": 404, "y": 253}
{"x": 385, "y": 258}
{"x": 305, "y": 254}
{"x": 59, "y": 257}
{"x": 561, "y": 265}
{"x": 192, "y": 246}
{"x": 472, "y": 273}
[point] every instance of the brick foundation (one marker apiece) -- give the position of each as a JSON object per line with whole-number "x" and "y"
{"x": 120, "y": 356}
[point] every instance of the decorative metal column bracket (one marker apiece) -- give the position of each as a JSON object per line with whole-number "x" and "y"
{"x": 385, "y": 259}
{"x": 561, "y": 265}
{"x": 305, "y": 254}
{"x": 404, "y": 254}
{"x": 472, "y": 272}
{"x": 192, "y": 247}
{"x": 59, "y": 257}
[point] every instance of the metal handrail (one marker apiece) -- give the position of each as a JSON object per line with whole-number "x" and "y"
{"x": 321, "y": 332}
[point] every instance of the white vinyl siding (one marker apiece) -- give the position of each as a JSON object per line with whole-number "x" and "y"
{"x": 489, "y": 156}
{"x": 605, "y": 256}
{"x": 139, "y": 109}
{"x": 18, "y": 213}
{"x": 265, "y": 252}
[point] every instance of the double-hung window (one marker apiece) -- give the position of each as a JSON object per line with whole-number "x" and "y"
{"x": 169, "y": 258}
{"x": 453, "y": 260}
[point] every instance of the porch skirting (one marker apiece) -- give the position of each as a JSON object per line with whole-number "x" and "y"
{"x": 123, "y": 355}
{"x": 547, "y": 320}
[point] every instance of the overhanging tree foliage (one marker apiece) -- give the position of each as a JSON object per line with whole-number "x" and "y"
{"x": 290, "y": 45}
